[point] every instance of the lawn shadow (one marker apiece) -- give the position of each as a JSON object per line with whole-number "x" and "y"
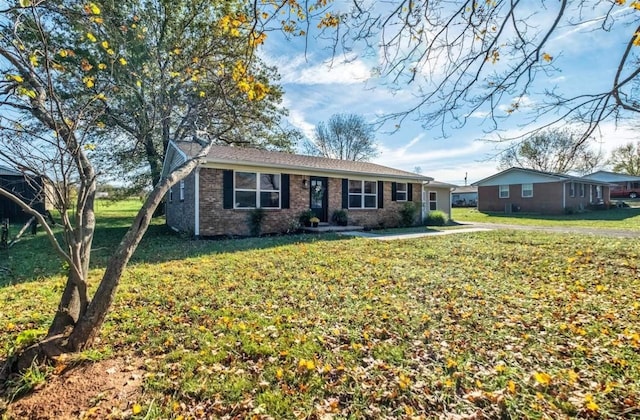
{"x": 33, "y": 258}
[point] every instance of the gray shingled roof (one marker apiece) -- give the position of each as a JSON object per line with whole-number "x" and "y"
{"x": 250, "y": 156}
{"x": 9, "y": 171}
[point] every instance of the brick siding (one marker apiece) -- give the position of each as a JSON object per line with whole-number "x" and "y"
{"x": 216, "y": 220}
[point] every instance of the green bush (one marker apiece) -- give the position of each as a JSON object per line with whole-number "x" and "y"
{"x": 339, "y": 217}
{"x": 305, "y": 217}
{"x": 256, "y": 216}
{"x": 436, "y": 218}
{"x": 408, "y": 214}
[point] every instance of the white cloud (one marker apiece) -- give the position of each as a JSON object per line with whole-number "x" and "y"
{"x": 298, "y": 70}
{"x": 297, "y": 119}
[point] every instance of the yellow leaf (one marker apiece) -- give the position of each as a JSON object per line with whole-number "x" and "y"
{"x": 33, "y": 59}
{"x": 122, "y": 61}
{"x": 589, "y": 403}
{"x": 94, "y": 9}
{"x": 279, "y": 373}
{"x": 15, "y": 78}
{"x": 202, "y": 94}
{"x": 105, "y": 44}
{"x": 635, "y": 5}
{"x": 136, "y": 409}
{"x": 91, "y": 37}
{"x": 546, "y": 57}
{"x": 25, "y": 3}
{"x": 542, "y": 378}
{"x": 511, "y": 386}
{"x": 102, "y": 66}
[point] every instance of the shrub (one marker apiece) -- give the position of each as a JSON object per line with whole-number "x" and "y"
{"x": 256, "y": 216}
{"x": 339, "y": 217}
{"x": 305, "y": 217}
{"x": 436, "y": 218}
{"x": 408, "y": 214}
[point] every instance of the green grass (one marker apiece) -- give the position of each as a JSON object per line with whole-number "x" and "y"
{"x": 624, "y": 218}
{"x": 525, "y": 324}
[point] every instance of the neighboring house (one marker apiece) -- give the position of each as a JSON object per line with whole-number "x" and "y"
{"x": 532, "y": 191}
{"x": 29, "y": 189}
{"x": 466, "y": 196}
{"x": 218, "y": 196}
{"x": 623, "y": 185}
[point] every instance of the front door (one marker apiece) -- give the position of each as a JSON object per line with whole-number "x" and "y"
{"x": 318, "y": 198}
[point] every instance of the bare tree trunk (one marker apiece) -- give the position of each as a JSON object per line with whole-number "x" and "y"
{"x": 87, "y": 328}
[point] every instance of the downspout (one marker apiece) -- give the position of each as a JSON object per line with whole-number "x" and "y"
{"x": 564, "y": 195}
{"x": 196, "y": 199}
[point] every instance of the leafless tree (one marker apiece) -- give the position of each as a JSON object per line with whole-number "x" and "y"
{"x": 472, "y": 58}
{"x": 345, "y": 136}
{"x": 553, "y": 150}
{"x": 626, "y": 159}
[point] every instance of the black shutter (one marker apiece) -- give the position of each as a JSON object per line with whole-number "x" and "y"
{"x": 345, "y": 193}
{"x": 284, "y": 191}
{"x": 394, "y": 189}
{"x": 227, "y": 189}
{"x": 380, "y": 194}
{"x": 409, "y": 192}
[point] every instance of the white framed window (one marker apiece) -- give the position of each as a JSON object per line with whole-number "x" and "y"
{"x": 182, "y": 190}
{"x": 503, "y": 191}
{"x": 256, "y": 190}
{"x": 401, "y": 191}
{"x": 582, "y": 190}
{"x": 433, "y": 200}
{"x": 572, "y": 189}
{"x": 363, "y": 194}
{"x": 527, "y": 190}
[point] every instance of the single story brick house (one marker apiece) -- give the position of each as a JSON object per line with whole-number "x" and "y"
{"x": 217, "y": 198}
{"x": 623, "y": 185}
{"x": 532, "y": 191}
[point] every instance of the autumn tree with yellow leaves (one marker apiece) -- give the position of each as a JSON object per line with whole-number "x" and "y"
{"x": 77, "y": 77}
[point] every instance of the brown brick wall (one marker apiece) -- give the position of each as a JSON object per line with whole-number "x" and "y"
{"x": 547, "y": 198}
{"x": 215, "y": 220}
{"x": 180, "y": 215}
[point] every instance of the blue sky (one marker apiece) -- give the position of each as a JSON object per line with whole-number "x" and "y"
{"x": 586, "y": 59}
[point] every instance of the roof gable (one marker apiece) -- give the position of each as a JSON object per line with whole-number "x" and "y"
{"x": 244, "y": 156}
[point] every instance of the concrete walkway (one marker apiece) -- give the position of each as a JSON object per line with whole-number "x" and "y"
{"x": 414, "y": 235}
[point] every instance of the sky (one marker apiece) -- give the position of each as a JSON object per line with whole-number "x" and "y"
{"x": 314, "y": 90}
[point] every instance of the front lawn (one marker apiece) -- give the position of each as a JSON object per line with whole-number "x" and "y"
{"x": 501, "y": 323}
{"x": 623, "y": 218}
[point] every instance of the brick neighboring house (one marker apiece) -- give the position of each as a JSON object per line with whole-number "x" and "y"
{"x": 532, "y": 191}
{"x": 218, "y": 196}
{"x": 623, "y": 185}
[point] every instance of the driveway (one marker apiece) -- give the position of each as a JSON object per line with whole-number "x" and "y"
{"x": 480, "y": 227}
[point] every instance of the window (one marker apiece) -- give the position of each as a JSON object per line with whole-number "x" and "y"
{"x": 572, "y": 189}
{"x": 182, "y": 190}
{"x": 581, "y": 190}
{"x": 256, "y": 190}
{"x": 171, "y": 195}
{"x": 527, "y": 190}
{"x": 504, "y": 191}
{"x": 363, "y": 194}
{"x": 401, "y": 191}
{"x": 433, "y": 201}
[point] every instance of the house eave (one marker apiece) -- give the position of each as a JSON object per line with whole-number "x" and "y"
{"x": 303, "y": 170}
